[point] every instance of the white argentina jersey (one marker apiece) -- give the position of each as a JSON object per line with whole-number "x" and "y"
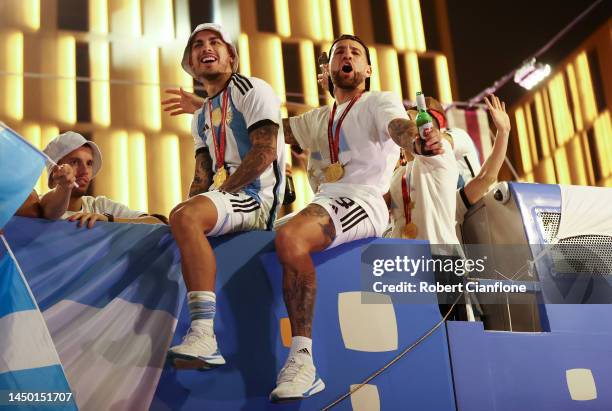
{"x": 252, "y": 103}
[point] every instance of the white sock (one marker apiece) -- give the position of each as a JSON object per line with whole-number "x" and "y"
{"x": 202, "y": 308}
{"x": 301, "y": 345}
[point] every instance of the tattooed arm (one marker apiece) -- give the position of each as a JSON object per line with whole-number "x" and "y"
{"x": 202, "y": 178}
{"x": 261, "y": 155}
{"x": 404, "y": 131}
{"x": 289, "y": 137}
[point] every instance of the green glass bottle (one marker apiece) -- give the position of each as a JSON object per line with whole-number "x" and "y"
{"x": 424, "y": 121}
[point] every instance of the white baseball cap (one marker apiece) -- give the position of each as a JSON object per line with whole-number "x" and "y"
{"x": 65, "y": 144}
{"x": 224, "y": 36}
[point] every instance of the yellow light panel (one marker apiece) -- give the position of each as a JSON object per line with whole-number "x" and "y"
{"x": 417, "y": 25}
{"x": 245, "y": 57}
{"x": 603, "y": 132}
{"x": 397, "y": 26}
{"x": 413, "y": 75}
{"x": 150, "y": 94}
{"x": 100, "y": 87}
{"x": 281, "y": 10}
{"x": 444, "y": 87}
{"x": 345, "y": 16}
{"x": 65, "y": 105}
{"x": 585, "y": 86}
{"x": 137, "y": 166}
{"x": 309, "y": 74}
{"x": 521, "y": 129}
{"x": 576, "y": 163}
{"x": 562, "y": 167}
{"x": 11, "y": 60}
{"x": 98, "y": 16}
{"x": 326, "y": 29}
{"x": 542, "y": 125}
{"x": 375, "y": 78}
{"x": 171, "y": 182}
{"x": 389, "y": 77}
{"x": 573, "y": 85}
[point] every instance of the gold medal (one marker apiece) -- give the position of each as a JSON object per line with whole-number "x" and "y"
{"x": 334, "y": 172}
{"x": 410, "y": 230}
{"x": 220, "y": 177}
{"x": 216, "y": 117}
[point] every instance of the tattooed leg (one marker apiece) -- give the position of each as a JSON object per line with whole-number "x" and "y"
{"x": 309, "y": 231}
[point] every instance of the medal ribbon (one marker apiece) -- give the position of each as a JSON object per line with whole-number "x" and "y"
{"x": 333, "y": 138}
{"x": 406, "y": 197}
{"x": 219, "y": 145}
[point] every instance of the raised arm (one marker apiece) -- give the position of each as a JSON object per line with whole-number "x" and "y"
{"x": 404, "y": 132}
{"x": 202, "y": 178}
{"x": 185, "y": 103}
{"x": 476, "y": 188}
{"x": 259, "y": 157}
{"x": 55, "y": 203}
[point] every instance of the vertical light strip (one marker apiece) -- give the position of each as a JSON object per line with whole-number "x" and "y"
{"x": 345, "y": 16}
{"x": 586, "y": 87}
{"x": 603, "y": 132}
{"x": 562, "y": 167}
{"x": 119, "y": 155}
{"x": 281, "y": 14}
{"x": 573, "y": 85}
{"x": 245, "y": 56}
{"x": 560, "y": 111}
{"x": 65, "y": 105}
{"x": 31, "y": 13}
{"x": 137, "y": 167}
{"x": 32, "y": 133}
{"x": 11, "y": 86}
{"x": 541, "y": 117}
{"x": 577, "y": 166}
{"x": 98, "y": 16}
{"x": 150, "y": 94}
{"x": 396, "y": 22}
{"x": 549, "y": 123}
{"x": 100, "y": 86}
{"x": 531, "y": 134}
{"x": 312, "y": 18}
{"x": 375, "y": 78}
{"x": 444, "y": 88}
{"x": 172, "y": 176}
{"x": 309, "y": 74}
{"x": 412, "y": 73}
{"x": 389, "y": 76}
{"x": 407, "y": 29}
{"x": 417, "y": 24}
{"x": 523, "y": 138}
{"x": 303, "y": 190}
{"x": 327, "y": 31}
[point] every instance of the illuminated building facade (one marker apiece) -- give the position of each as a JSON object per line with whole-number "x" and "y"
{"x": 562, "y": 131}
{"x": 100, "y": 67}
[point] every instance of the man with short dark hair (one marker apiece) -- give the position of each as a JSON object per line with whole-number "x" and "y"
{"x": 354, "y": 147}
{"x": 239, "y": 175}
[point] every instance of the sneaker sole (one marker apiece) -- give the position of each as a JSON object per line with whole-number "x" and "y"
{"x": 316, "y": 388}
{"x": 189, "y": 362}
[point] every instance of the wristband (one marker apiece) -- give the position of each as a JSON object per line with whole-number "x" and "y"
{"x": 111, "y": 218}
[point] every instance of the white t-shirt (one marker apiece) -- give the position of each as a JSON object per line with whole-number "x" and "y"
{"x": 466, "y": 155}
{"x": 432, "y": 182}
{"x": 101, "y": 205}
{"x": 251, "y": 102}
{"x": 366, "y": 149}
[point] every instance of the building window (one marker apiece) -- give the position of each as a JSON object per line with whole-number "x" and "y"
{"x": 83, "y": 84}
{"x": 381, "y": 22}
{"x": 266, "y": 21}
{"x": 200, "y": 11}
{"x": 73, "y": 15}
{"x": 293, "y": 74}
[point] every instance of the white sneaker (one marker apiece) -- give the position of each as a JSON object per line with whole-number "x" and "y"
{"x": 297, "y": 380}
{"x": 197, "y": 351}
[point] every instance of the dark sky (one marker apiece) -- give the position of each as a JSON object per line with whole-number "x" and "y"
{"x": 492, "y": 37}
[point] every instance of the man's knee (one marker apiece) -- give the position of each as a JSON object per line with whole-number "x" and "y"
{"x": 192, "y": 214}
{"x": 288, "y": 243}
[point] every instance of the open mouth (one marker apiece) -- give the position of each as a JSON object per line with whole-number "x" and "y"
{"x": 208, "y": 59}
{"x": 347, "y": 68}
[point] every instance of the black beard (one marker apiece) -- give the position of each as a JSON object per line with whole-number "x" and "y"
{"x": 211, "y": 76}
{"x": 347, "y": 84}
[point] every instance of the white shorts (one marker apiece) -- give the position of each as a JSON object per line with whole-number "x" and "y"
{"x": 237, "y": 212}
{"x": 350, "y": 219}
